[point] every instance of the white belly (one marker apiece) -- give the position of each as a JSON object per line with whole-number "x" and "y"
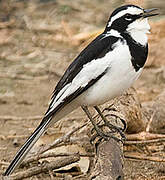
{"x": 108, "y": 88}
{"x": 119, "y": 77}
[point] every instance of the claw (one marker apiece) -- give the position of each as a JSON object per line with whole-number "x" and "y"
{"x": 121, "y": 119}
{"x": 106, "y": 137}
{"x": 111, "y": 126}
{"x": 100, "y": 132}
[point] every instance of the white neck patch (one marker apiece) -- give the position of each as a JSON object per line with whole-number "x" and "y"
{"x": 130, "y": 10}
{"x": 112, "y": 32}
{"x": 138, "y": 30}
{"x": 115, "y": 33}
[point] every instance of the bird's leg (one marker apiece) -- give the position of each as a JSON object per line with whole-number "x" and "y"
{"x": 96, "y": 127}
{"x": 111, "y": 126}
{"x": 98, "y": 130}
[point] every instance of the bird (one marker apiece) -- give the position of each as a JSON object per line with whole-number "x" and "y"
{"x": 103, "y": 70}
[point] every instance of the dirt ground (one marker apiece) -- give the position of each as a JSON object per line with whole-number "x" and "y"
{"x": 38, "y": 40}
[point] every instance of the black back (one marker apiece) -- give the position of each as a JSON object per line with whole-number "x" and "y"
{"x": 96, "y": 49}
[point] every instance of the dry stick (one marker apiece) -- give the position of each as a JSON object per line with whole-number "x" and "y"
{"x": 144, "y": 142}
{"x": 7, "y": 118}
{"x": 144, "y": 136}
{"x": 12, "y": 137}
{"x": 38, "y": 154}
{"x": 150, "y": 121}
{"x": 149, "y": 158}
{"x": 4, "y": 163}
{"x": 3, "y": 148}
{"x": 52, "y": 154}
{"x": 7, "y": 24}
{"x": 64, "y": 138}
{"x": 52, "y": 165}
{"x": 46, "y": 168}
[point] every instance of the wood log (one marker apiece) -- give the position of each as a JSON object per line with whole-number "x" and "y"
{"x": 108, "y": 163}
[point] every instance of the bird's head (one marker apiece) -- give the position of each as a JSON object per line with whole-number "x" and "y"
{"x": 130, "y": 18}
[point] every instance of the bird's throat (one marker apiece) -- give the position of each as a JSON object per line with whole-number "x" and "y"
{"x": 139, "y": 36}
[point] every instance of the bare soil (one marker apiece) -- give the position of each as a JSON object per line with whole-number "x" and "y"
{"x": 38, "y": 40}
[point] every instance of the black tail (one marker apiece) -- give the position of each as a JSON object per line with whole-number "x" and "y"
{"x": 26, "y": 148}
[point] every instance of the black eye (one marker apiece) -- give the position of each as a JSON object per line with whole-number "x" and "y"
{"x": 128, "y": 17}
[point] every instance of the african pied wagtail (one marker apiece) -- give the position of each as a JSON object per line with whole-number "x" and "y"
{"x": 103, "y": 70}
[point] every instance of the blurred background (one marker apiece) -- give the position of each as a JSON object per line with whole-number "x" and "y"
{"x": 39, "y": 39}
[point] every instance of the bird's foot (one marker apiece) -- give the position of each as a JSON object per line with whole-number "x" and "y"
{"x": 117, "y": 116}
{"x": 115, "y": 129}
{"x": 109, "y": 133}
{"x": 112, "y": 128}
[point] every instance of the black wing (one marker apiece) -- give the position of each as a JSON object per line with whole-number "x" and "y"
{"x": 96, "y": 49}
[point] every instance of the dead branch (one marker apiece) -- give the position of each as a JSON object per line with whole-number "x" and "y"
{"x": 108, "y": 160}
{"x": 142, "y": 136}
{"x": 4, "y": 25}
{"x": 144, "y": 142}
{"x": 12, "y": 137}
{"x": 61, "y": 162}
{"x": 52, "y": 154}
{"x": 64, "y": 138}
{"x": 148, "y": 158}
{"x": 109, "y": 154}
{"x": 4, "y": 163}
{"x": 108, "y": 163}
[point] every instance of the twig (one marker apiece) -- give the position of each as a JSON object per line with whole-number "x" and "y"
{"x": 144, "y": 142}
{"x": 148, "y": 158}
{"x": 68, "y": 159}
{"x": 64, "y": 138}
{"x": 142, "y": 136}
{"x": 63, "y": 161}
{"x": 4, "y": 163}
{"x": 12, "y": 137}
{"x": 150, "y": 121}
{"x": 7, "y": 24}
{"x": 67, "y": 29}
{"x": 51, "y": 154}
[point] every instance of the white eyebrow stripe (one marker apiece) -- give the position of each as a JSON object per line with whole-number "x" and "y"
{"x": 130, "y": 10}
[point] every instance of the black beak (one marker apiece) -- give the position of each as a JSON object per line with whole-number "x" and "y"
{"x": 148, "y": 12}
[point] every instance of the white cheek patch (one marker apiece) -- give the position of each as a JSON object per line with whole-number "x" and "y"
{"x": 138, "y": 30}
{"x": 130, "y": 10}
{"x": 139, "y": 24}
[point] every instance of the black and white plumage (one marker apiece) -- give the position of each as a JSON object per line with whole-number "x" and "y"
{"x": 103, "y": 70}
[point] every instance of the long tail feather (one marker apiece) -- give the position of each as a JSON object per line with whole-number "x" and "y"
{"x": 49, "y": 119}
{"x": 26, "y": 148}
